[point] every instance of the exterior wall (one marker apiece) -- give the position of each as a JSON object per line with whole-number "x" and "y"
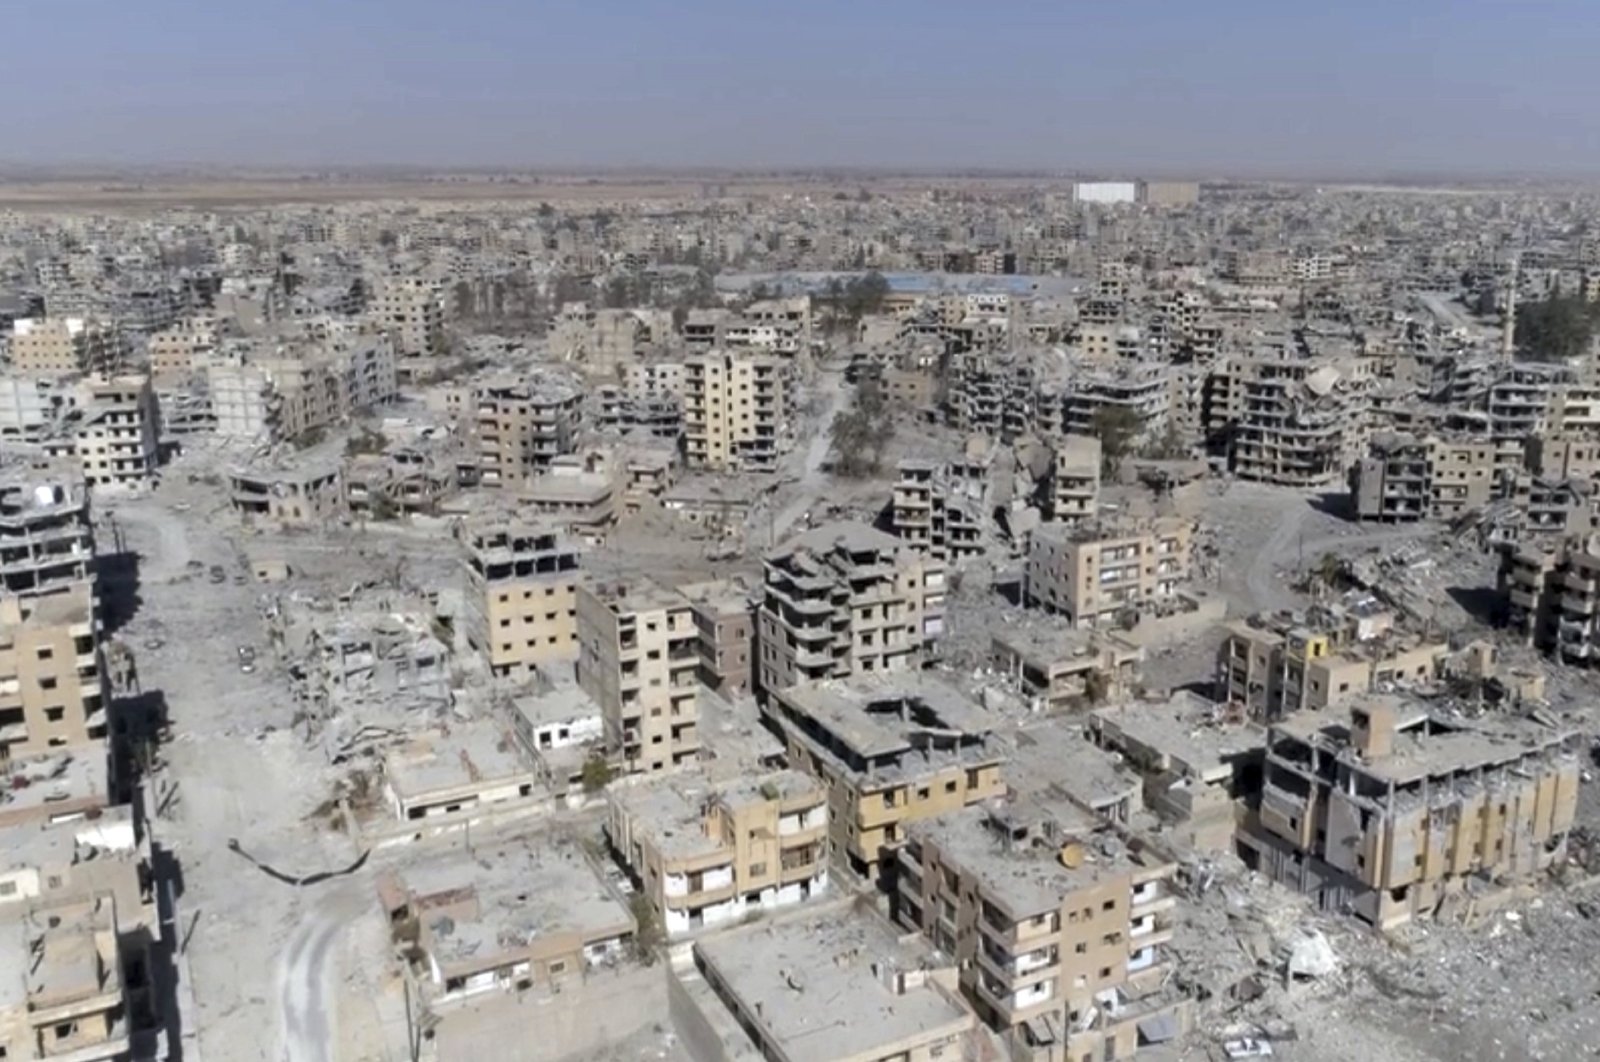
{"x": 1092, "y": 579}
{"x": 638, "y": 660}
{"x": 50, "y": 674}
{"x": 522, "y": 598}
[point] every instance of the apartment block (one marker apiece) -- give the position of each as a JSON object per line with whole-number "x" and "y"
{"x": 46, "y": 538}
{"x": 521, "y": 427}
{"x": 1059, "y": 923}
{"x": 50, "y": 673}
{"x": 1075, "y": 480}
{"x": 65, "y": 346}
{"x": 1405, "y": 478}
{"x": 735, "y": 411}
{"x": 846, "y": 599}
{"x": 1551, "y": 595}
{"x": 1392, "y": 809}
{"x": 1288, "y": 419}
{"x": 64, "y": 996}
{"x": 411, "y": 311}
{"x": 33, "y": 408}
{"x": 829, "y": 983}
{"x": 639, "y": 657}
{"x": 892, "y": 750}
{"x": 1275, "y": 665}
{"x": 724, "y": 619}
{"x": 179, "y": 350}
{"x": 1096, "y": 574}
{"x": 117, "y": 440}
{"x": 521, "y": 593}
{"x": 928, "y": 513}
{"x": 706, "y": 855}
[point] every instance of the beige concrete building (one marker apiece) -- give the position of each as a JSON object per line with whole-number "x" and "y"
{"x": 1551, "y": 595}
{"x": 1392, "y": 810}
{"x": 829, "y": 984}
{"x": 893, "y": 750}
{"x": 638, "y": 657}
{"x": 520, "y": 427}
{"x": 63, "y": 996}
{"x": 1075, "y": 480}
{"x": 705, "y": 855}
{"x": 735, "y": 411}
{"x": 1404, "y": 478}
{"x": 1095, "y": 574}
{"x": 927, "y": 512}
{"x": 118, "y": 439}
{"x": 527, "y": 911}
{"x": 1062, "y": 669}
{"x": 521, "y": 593}
{"x": 724, "y": 619}
{"x": 411, "y": 311}
{"x": 1564, "y": 456}
{"x": 185, "y": 347}
{"x": 65, "y": 346}
{"x": 1059, "y": 923}
{"x": 50, "y": 673}
{"x": 1274, "y": 666}
{"x": 1196, "y": 761}
{"x": 311, "y": 496}
{"x": 846, "y": 599}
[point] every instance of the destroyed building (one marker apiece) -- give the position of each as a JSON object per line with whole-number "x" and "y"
{"x": 46, "y": 539}
{"x": 1392, "y": 808}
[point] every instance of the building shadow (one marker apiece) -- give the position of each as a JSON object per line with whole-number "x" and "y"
{"x": 117, "y": 582}
{"x": 1335, "y": 503}
{"x": 1482, "y": 603}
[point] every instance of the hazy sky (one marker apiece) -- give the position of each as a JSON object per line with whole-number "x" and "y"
{"x": 1185, "y": 85}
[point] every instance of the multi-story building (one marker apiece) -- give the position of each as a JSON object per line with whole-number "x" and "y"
{"x": 846, "y": 599}
{"x": 1058, "y": 920}
{"x": 1389, "y": 808}
{"x": 1406, "y": 478}
{"x": 1551, "y": 596}
{"x": 521, "y": 593}
{"x": 1274, "y": 665}
{"x": 184, "y": 347}
{"x": 706, "y": 854}
{"x": 735, "y": 411}
{"x": 46, "y": 538}
{"x": 1075, "y": 480}
{"x": 892, "y": 749}
{"x": 65, "y": 996}
{"x": 928, "y": 513}
{"x": 1095, "y": 574}
{"x": 724, "y": 618}
{"x": 639, "y": 657}
{"x": 1288, "y": 419}
{"x": 65, "y": 346}
{"x": 411, "y": 311}
{"x": 33, "y": 408}
{"x": 118, "y": 439}
{"x": 522, "y": 426}
{"x": 825, "y": 982}
{"x": 50, "y": 673}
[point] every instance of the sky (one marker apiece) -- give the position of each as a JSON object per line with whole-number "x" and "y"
{"x": 1117, "y": 87}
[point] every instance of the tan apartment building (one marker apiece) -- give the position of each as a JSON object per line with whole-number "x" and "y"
{"x": 179, "y": 350}
{"x": 1075, "y": 480}
{"x": 639, "y": 658}
{"x": 311, "y": 496}
{"x": 411, "y": 311}
{"x": 735, "y": 411}
{"x": 832, "y": 983}
{"x": 707, "y": 854}
{"x": 521, "y": 593}
{"x": 1061, "y": 669}
{"x": 521, "y": 427}
{"x": 46, "y": 538}
{"x": 118, "y": 439}
{"x": 50, "y": 673}
{"x": 64, "y": 346}
{"x": 1274, "y": 666}
{"x": 724, "y": 619}
{"x": 1095, "y": 574}
{"x": 1390, "y": 809}
{"x": 528, "y": 910}
{"x": 64, "y": 996}
{"x": 893, "y": 750}
{"x": 1405, "y": 478}
{"x": 1058, "y": 921}
{"x": 928, "y": 513}
{"x": 1551, "y": 596}
{"x": 846, "y": 599}
{"x": 1564, "y": 456}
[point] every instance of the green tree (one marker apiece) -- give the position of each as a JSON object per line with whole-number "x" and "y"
{"x": 1116, "y": 427}
{"x": 860, "y": 434}
{"x": 1557, "y": 328}
{"x": 597, "y": 773}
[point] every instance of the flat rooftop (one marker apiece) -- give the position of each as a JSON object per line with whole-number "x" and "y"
{"x": 66, "y": 779}
{"x": 528, "y": 886}
{"x": 876, "y": 714}
{"x": 813, "y": 986}
{"x": 563, "y": 701}
{"x": 460, "y": 756}
{"x": 1027, "y": 875}
{"x": 1187, "y": 730}
{"x": 1055, "y": 761}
